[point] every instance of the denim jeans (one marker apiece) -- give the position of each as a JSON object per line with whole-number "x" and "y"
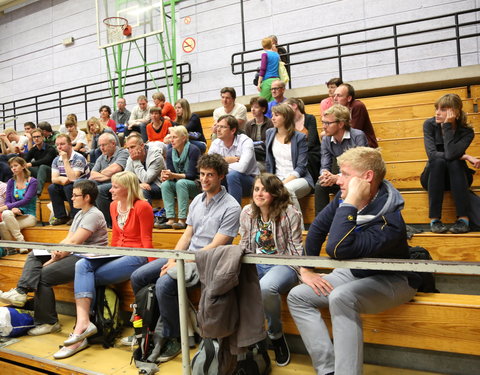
{"x": 166, "y": 292}
{"x": 154, "y": 193}
{"x": 239, "y": 185}
{"x": 274, "y": 281}
{"x": 90, "y": 273}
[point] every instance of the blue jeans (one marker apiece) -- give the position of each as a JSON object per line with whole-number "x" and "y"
{"x": 90, "y": 273}
{"x": 166, "y": 292}
{"x": 239, "y": 185}
{"x": 183, "y": 189}
{"x": 154, "y": 193}
{"x": 274, "y": 281}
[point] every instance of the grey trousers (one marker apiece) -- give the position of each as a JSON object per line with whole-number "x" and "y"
{"x": 350, "y": 297}
{"x": 39, "y": 279}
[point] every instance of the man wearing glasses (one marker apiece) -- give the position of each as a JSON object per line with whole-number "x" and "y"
{"x": 39, "y": 159}
{"x": 339, "y": 137}
{"x": 278, "y": 89}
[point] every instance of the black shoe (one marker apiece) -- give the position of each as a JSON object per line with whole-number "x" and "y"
{"x": 282, "y": 353}
{"x": 460, "y": 226}
{"x": 438, "y": 227}
{"x": 59, "y": 221}
{"x": 69, "y": 222}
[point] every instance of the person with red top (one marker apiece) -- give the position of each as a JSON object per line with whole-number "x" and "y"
{"x": 158, "y": 128}
{"x": 105, "y": 119}
{"x": 168, "y": 111}
{"x": 132, "y": 219}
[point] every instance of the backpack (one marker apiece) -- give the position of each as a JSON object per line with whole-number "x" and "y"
{"x": 145, "y": 317}
{"x": 106, "y": 317}
{"x": 428, "y": 278}
{"x": 205, "y": 360}
{"x": 15, "y": 322}
{"x": 255, "y": 361}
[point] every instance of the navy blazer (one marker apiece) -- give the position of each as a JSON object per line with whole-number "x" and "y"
{"x": 299, "y": 155}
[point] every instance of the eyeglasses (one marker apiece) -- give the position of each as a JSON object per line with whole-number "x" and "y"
{"x": 37, "y": 136}
{"x": 328, "y": 123}
{"x": 276, "y": 88}
{"x": 223, "y": 127}
{"x": 76, "y": 195}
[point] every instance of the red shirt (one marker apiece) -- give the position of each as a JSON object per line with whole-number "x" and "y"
{"x": 153, "y": 135}
{"x": 169, "y": 111}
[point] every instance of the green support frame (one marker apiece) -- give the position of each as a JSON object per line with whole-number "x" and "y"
{"x": 118, "y": 68}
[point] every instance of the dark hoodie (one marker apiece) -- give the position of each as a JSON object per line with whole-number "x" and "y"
{"x": 379, "y": 232}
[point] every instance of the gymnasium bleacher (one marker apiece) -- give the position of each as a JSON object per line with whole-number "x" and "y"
{"x": 443, "y": 322}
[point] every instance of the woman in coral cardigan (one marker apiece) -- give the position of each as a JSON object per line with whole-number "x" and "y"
{"x": 132, "y": 224}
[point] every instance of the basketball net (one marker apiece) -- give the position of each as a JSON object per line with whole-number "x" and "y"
{"x": 115, "y": 26}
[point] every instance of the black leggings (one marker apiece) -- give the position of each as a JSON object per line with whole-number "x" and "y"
{"x": 441, "y": 175}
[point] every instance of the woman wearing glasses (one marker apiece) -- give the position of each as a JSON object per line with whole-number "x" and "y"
{"x": 272, "y": 225}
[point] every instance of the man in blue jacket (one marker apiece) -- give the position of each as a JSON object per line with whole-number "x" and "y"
{"x": 363, "y": 220}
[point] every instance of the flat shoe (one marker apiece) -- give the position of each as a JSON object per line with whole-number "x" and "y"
{"x": 74, "y": 338}
{"x": 164, "y": 226}
{"x": 179, "y": 226}
{"x": 66, "y": 352}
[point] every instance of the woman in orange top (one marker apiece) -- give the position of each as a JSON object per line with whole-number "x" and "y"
{"x": 132, "y": 219}
{"x": 158, "y": 128}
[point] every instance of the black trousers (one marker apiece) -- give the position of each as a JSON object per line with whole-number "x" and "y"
{"x": 442, "y": 175}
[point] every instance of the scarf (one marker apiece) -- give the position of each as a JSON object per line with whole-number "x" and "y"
{"x": 180, "y": 163}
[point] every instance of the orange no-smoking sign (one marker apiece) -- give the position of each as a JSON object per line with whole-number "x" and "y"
{"x": 188, "y": 45}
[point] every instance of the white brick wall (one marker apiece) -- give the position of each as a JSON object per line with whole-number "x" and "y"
{"x": 33, "y": 60}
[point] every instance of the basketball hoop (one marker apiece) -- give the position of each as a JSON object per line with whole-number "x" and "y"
{"x": 116, "y": 27}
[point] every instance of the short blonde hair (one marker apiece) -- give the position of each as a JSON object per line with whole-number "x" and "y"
{"x": 158, "y": 96}
{"x": 9, "y": 131}
{"x": 179, "y": 130}
{"x": 364, "y": 159}
{"x": 341, "y": 113}
{"x": 267, "y": 43}
{"x": 129, "y": 180}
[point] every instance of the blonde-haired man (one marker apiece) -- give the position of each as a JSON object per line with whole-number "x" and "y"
{"x": 364, "y": 220}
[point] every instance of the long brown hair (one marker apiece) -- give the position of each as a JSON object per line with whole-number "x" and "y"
{"x": 453, "y": 101}
{"x": 287, "y": 113}
{"x": 23, "y": 163}
{"x": 187, "y": 113}
{"x": 279, "y": 193}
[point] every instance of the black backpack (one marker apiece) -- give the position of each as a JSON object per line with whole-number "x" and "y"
{"x": 145, "y": 317}
{"x": 428, "y": 278}
{"x": 255, "y": 361}
{"x": 106, "y": 317}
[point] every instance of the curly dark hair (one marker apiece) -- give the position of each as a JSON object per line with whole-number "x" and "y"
{"x": 215, "y": 162}
{"x": 281, "y": 196}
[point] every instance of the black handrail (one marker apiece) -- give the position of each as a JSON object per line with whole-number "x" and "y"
{"x": 57, "y": 100}
{"x": 248, "y": 61}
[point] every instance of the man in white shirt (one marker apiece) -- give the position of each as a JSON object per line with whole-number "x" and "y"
{"x": 238, "y": 152}
{"x": 139, "y": 117}
{"x": 12, "y": 143}
{"x": 229, "y": 107}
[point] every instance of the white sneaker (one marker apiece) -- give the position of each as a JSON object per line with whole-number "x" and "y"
{"x": 128, "y": 340}
{"x": 13, "y": 297}
{"x": 44, "y": 329}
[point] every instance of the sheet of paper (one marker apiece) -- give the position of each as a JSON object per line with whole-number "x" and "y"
{"x": 39, "y": 252}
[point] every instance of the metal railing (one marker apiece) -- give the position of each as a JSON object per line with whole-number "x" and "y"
{"x": 87, "y": 94}
{"x": 453, "y": 27}
{"x": 417, "y": 265}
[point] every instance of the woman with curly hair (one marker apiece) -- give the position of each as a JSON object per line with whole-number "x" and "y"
{"x": 272, "y": 225}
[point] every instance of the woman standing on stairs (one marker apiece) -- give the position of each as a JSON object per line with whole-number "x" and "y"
{"x": 447, "y": 137}
{"x": 20, "y": 206}
{"x": 132, "y": 225}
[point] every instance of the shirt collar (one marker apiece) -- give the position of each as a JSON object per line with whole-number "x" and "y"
{"x": 346, "y": 135}
{"x": 217, "y": 196}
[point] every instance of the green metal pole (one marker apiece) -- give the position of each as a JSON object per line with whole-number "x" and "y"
{"x": 173, "y": 54}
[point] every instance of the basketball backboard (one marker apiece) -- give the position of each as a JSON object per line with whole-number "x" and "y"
{"x": 145, "y": 18}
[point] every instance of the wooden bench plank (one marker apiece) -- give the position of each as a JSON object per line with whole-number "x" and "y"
{"x": 406, "y": 174}
{"x": 414, "y": 148}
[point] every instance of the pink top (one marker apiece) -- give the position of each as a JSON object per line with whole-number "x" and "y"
{"x": 326, "y": 104}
